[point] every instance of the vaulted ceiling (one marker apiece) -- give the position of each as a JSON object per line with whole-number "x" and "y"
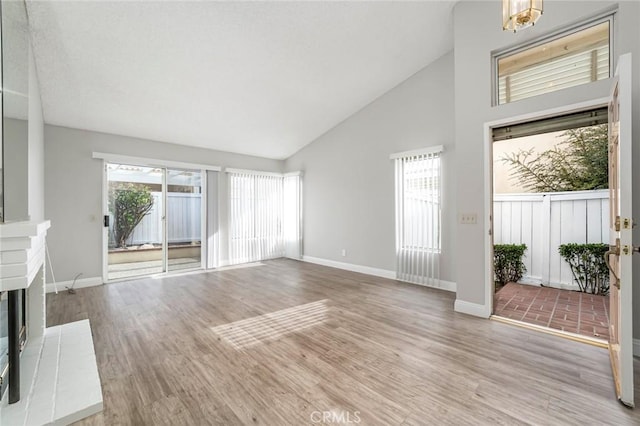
{"x": 259, "y": 78}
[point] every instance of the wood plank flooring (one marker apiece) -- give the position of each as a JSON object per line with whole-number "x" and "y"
{"x": 287, "y": 342}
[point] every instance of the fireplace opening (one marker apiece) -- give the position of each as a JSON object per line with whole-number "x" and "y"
{"x": 13, "y": 336}
{"x": 4, "y": 341}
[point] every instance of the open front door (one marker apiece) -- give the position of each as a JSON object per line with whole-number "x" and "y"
{"x": 621, "y": 248}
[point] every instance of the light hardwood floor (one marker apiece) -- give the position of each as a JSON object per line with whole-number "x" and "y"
{"x": 279, "y": 344}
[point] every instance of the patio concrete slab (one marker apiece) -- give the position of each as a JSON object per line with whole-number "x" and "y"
{"x": 564, "y": 310}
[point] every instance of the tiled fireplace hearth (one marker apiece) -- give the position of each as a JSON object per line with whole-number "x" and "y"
{"x": 55, "y": 376}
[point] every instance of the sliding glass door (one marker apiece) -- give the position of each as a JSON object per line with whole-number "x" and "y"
{"x": 154, "y": 220}
{"x": 135, "y": 211}
{"x": 184, "y": 219}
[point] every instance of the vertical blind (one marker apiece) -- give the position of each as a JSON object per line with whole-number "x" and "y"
{"x": 577, "y": 57}
{"x": 257, "y": 218}
{"x": 418, "y": 216}
{"x": 568, "y": 71}
{"x": 293, "y": 216}
{"x": 212, "y": 224}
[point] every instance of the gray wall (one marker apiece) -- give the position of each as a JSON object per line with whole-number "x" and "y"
{"x": 73, "y": 190}
{"x": 349, "y": 179}
{"x": 16, "y": 170}
{"x": 476, "y": 33}
{"x": 24, "y": 158}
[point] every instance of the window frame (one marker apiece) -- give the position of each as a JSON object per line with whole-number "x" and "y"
{"x": 609, "y": 15}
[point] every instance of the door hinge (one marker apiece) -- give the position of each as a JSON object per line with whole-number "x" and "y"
{"x": 624, "y": 223}
{"x": 629, "y": 250}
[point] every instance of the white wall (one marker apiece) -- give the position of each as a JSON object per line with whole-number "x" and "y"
{"x": 349, "y": 178}
{"x": 73, "y": 190}
{"x": 477, "y": 32}
{"x": 36, "y": 146}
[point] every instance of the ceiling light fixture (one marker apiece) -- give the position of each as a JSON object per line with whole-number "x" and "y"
{"x": 519, "y": 14}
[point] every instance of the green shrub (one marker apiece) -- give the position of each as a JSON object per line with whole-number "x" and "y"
{"x": 507, "y": 262}
{"x": 129, "y": 203}
{"x": 588, "y": 266}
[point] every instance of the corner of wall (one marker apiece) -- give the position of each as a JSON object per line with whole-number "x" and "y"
{"x": 35, "y": 184}
{"x": 474, "y": 309}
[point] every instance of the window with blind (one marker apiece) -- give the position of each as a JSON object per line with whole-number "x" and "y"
{"x": 418, "y": 215}
{"x": 264, "y": 216}
{"x": 578, "y": 56}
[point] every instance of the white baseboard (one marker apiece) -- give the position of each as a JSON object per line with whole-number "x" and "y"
{"x": 530, "y": 280}
{"x": 564, "y": 286}
{"x": 444, "y": 285}
{"x": 80, "y": 283}
{"x": 475, "y": 309}
{"x": 383, "y": 273}
{"x": 537, "y": 282}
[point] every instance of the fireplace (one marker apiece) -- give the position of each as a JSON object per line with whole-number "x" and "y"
{"x": 21, "y": 298}
{"x": 45, "y": 361}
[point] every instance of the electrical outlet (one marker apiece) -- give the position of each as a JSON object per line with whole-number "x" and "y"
{"x": 344, "y": 252}
{"x": 468, "y": 218}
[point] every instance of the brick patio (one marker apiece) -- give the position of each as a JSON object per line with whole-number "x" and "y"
{"x": 564, "y": 310}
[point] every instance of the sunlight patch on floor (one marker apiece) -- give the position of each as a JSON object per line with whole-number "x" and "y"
{"x": 252, "y": 331}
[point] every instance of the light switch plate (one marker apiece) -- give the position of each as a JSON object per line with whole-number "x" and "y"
{"x": 468, "y": 218}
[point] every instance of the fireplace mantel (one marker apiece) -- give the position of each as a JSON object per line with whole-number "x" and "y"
{"x": 22, "y": 253}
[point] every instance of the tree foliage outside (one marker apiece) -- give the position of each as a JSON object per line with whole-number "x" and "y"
{"x": 578, "y": 163}
{"x": 588, "y": 266}
{"x": 129, "y": 203}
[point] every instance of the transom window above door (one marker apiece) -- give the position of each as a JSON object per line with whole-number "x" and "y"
{"x": 570, "y": 58}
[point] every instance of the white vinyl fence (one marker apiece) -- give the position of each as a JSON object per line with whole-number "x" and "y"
{"x": 544, "y": 221}
{"x": 183, "y": 220}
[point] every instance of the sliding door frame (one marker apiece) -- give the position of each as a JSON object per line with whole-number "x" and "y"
{"x": 165, "y": 232}
{"x": 103, "y": 219}
{"x": 107, "y": 158}
{"x": 204, "y": 235}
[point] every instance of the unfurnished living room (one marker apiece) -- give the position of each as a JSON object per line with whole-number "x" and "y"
{"x": 319, "y": 212}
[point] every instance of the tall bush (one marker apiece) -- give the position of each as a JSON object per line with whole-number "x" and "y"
{"x": 588, "y": 266}
{"x": 507, "y": 262}
{"x": 129, "y": 203}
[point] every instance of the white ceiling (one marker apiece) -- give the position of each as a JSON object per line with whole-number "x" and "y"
{"x": 260, "y": 78}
